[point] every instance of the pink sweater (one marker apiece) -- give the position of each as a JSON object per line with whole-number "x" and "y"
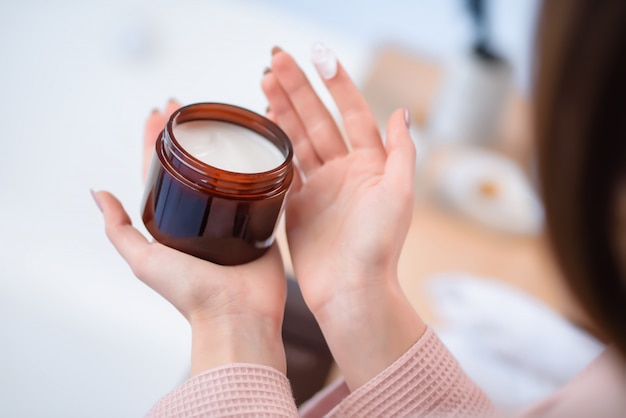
{"x": 425, "y": 381}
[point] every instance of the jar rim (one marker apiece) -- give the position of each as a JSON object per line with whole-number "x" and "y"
{"x": 232, "y": 114}
{"x": 206, "y": 176}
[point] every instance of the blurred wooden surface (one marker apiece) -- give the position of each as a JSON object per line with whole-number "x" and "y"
{"x": 441, "y": 239}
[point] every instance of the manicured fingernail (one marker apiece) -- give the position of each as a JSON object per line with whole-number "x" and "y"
{"x": 324, "y": 60}
{"x": 95, "y": 199}
{"x": 276, "y": 50}
{"x": 407, "y": 117}
{"x": 154, "y": 111}
{"x": 267, "y": 70}
{"x": 267, "y": 109}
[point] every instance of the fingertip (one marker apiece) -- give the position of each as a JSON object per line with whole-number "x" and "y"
{"x": 155, "y": 113}
{"x": 267, "y": 80}
{"x": 271, "y": 117}
{"x": 94, "y": 195}
{"x": 155, "y": 123}
{"x": 400, "y": 148}
{"x": 324, "y": 60}
{"x": 271, "y": 87}
{"x": 114, "y": 212}
{"x": 172, "y": 106}
{"x": 127, "y": 240}
{"x": 407, "y": 117}
{"x": 280, "y": 61}
{"x": 107, "y": 199}
{"x": 398, "y": 128}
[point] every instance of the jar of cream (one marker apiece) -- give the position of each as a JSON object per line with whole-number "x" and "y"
{"x": 217, "y": 183}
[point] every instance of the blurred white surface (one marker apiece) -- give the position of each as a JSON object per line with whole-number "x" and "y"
{"x": 80, "y": 336}
{"x": 490, "y": 188}
{"x": 517, "y": 349}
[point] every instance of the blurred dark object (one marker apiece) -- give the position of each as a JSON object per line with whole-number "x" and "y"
{"x": 482, "y": 45}
{"x": 308, "y": 357}
{"x": 475, "y": 90}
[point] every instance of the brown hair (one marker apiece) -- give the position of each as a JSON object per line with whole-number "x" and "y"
{"x": 580, "y": 122}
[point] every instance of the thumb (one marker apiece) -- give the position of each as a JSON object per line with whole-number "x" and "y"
{"x": 127, "y": 240}
{"x": 400, "y": 165}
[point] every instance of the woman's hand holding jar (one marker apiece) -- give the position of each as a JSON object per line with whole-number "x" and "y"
{"x": 235, "y": 312}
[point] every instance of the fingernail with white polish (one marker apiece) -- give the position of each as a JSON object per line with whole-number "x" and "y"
{"x": 324, "y": 60}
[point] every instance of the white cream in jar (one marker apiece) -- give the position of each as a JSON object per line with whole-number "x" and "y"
{"x": 228, "y": 146}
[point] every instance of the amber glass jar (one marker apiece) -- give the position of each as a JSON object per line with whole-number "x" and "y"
{"x": 222, "y": 216}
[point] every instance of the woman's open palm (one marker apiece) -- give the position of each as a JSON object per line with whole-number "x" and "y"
{"x": 349, "y": 211}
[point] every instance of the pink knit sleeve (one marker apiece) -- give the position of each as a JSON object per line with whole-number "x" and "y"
{"x": 232, "y": 390}
{"x": 425, "y": 381}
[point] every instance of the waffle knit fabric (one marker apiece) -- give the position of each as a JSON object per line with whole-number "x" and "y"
{"x": 425, "y": 381}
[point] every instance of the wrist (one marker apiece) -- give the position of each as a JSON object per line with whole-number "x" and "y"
{"x": 236, "y": 338}
{"x": 368, "y": 330}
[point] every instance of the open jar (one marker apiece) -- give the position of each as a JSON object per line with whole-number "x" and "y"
{"x": 217, "y": 183}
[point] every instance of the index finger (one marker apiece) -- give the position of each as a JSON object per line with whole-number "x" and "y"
{"x": 321, "y": 129}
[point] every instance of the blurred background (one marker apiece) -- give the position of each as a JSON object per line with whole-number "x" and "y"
{"x": 80, "y": 336}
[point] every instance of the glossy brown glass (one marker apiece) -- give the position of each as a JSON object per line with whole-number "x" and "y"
{"x": 225, "y": 217}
